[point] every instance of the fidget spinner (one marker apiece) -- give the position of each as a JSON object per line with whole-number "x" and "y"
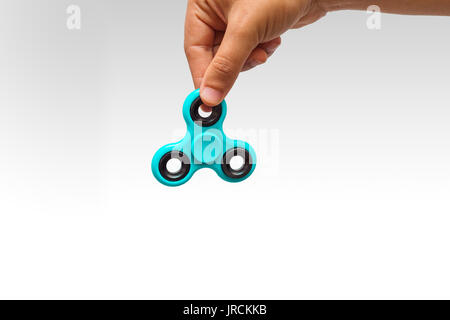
{"x": 204, "y": 146}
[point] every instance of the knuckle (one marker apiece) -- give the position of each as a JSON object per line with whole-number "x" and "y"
{"x": 223, "y": 65}
{"x": 193, "y": 51}
{"x": 188, "y": 50}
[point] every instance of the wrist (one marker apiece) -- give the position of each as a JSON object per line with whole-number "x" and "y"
{"x": 335, "y": 5}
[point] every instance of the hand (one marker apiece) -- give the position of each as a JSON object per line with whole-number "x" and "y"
{"x": 225, "y": 37}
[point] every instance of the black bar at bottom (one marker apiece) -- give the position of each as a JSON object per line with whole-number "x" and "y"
{"x": 233, "y": 310}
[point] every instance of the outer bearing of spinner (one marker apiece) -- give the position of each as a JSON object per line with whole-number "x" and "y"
{"x": 205, "y": 145}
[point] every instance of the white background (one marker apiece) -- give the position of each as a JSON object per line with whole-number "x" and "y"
{"x": 357, "y": 207}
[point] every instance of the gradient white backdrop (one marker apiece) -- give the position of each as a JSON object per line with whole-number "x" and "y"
{"x": 353, "y": 202}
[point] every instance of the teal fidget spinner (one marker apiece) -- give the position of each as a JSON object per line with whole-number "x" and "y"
{"x": 204, "y": 146}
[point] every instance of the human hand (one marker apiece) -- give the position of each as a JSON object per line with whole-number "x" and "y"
{"x": 225, "y": 37}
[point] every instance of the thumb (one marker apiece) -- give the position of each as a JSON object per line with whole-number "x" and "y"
{"x": 220, "y": 76}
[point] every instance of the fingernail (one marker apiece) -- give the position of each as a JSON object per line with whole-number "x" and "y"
{"x": 255, "y": 63}
{"x": 251, "y": 64}
{"x": 205, "y": 108}
{"x": 211, "y": 96}
{"x": 271, "y": 49}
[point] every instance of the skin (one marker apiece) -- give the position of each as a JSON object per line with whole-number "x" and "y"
{"x": 226, "y": 37}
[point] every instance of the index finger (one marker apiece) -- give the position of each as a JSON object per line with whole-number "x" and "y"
{"x": 198, "y": 44}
